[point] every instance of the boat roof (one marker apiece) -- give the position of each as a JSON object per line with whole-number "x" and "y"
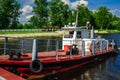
{"x": 73, "y": 28}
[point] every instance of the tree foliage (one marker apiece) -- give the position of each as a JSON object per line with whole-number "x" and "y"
{"x": 103, "y": 18}
{"x": 9, "y": 12}
{"x": 55, "y": 13}
{"x": 58, "y": 13}
{"x": 41, "y": 13}
{"x": 84, "y": 15}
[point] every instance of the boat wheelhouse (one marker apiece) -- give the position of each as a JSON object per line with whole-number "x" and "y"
{"x": 82, "y": 38}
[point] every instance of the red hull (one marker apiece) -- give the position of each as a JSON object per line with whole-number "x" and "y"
{"x": 50, "y": 64}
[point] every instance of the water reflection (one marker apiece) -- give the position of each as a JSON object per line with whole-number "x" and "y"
{"x": 106, "y": 70}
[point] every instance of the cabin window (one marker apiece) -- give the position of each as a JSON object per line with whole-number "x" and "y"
{"x": 78, "y": 34}
{"x": 70, "y": 35}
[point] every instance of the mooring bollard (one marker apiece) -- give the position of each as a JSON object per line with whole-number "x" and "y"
{"x": 93, "y": 47}
{"x": 83, "y": 48}
{"x": 5, "y": 45}
{"x": 35, "y": 50}
{"x": 57, "y": 49}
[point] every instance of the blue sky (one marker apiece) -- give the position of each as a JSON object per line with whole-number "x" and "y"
{"x": 113, "y": 5}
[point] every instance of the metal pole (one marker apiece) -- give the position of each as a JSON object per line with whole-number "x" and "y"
{"x": 34, "y": 50}
{"x": 83, "y": 48}
{"x": 92, "y": 33}
{"x": 93, "y": 47}
{"x": 57, "y": 49}
{"x": 5, "y": 45}
{"x": 107, "y": 45}
{"x": 113, "y": 43}
{"x": 48, "y": 45}
{"x": 101, "y": 46}
{"x": 70, "y": 49}
{"x": 22, "y": 44}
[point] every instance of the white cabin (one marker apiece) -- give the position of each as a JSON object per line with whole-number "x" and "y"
{"x": 76, "y": 35}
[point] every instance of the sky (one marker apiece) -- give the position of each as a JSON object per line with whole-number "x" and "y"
{"x": 26, "y": 7}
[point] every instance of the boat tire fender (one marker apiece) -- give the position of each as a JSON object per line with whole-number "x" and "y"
{"x": 36, "y": 66}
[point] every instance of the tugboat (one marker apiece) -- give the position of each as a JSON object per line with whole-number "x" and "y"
{"x": 79, "y": 47}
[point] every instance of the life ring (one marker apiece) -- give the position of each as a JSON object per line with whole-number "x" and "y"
{"x": 36, "y": 66}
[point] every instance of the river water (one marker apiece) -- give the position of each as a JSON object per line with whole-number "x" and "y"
{"x": 108, "y": 69}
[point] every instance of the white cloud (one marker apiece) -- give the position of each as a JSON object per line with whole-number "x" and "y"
{"x": 27, "y": 9}
{"x": 73, "y": 5}
{"x": 114, "y": 11}
{"x": 66, "y": 1}
{"x": 27, "y": 14}
{"x": 28, "y": 17}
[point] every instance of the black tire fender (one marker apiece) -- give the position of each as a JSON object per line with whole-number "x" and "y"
{"x": 36, "y": 66}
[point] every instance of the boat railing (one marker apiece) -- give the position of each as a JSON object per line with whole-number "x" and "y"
{"x": 101, "y": 45}
{"x": 48, "y": 46}
{"x": 10, "y": 44}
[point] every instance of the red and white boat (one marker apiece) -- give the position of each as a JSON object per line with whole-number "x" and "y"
{"x": 79, "y": 47}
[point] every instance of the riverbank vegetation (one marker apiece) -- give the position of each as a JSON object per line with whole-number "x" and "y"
{"x": 56, "y": 14}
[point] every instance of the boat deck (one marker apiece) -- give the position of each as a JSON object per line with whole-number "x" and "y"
{"x": 47, "y": 57}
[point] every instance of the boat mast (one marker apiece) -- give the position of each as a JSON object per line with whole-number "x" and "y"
{"x": 81, "y": 2}
{"x": 77, "y": 17}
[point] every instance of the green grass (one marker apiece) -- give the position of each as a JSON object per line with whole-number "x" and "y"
{"x": 107, "y": 31}
{"x": 26, "y": 32}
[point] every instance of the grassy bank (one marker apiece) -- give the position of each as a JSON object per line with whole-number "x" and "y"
{"x": 107, "y": 31}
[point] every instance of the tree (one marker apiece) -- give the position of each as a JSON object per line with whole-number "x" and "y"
{"x": 84, "y": 15}
{"x": 58, "y": 13}
{"x": 40, "y": 10}
{"x": 116, "y": 22}
{"x": 9, "y": 12}
{"x": 103, "y": 17}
